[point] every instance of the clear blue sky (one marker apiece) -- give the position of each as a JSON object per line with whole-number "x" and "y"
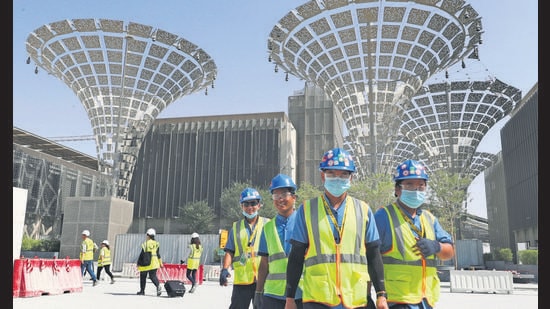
{"x": 234, "y": 34}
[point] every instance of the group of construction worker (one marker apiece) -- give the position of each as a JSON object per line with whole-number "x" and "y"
{"x": 331, "y": 251}
{"x": 87, "y": 249}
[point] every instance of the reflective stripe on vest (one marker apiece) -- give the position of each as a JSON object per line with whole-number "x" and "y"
{"x": 247, "y": 273}
{"x": 403, "y": 270}
{"x": 152, "y": 246}
{"x": 105, "y": 257}
{"x": 89, "y": 254}
{"x": 275, "y": 282}
{"x": 194, "y": 259}
{"x": 336, "y": 273}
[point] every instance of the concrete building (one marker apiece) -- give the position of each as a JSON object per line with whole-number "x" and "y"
{"x": 511, "y": 185}
{"x": 319, "y": 127}
{"x": 65, "y": 194}
{"x": 190, "y": 159}
{"x": 497, "y": 213}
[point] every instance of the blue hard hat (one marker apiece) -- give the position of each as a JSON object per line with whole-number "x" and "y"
{"x": 282, "y": 181}
{"x": 410, "y": 169}
{"x": 337, "y": 159}
{"x": 250, "y": 194}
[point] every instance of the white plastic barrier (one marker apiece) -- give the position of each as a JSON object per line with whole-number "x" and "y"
{"x": 212, "y": 272}
{"x": 481, "y": 281}
{"x": 129, "y": 270}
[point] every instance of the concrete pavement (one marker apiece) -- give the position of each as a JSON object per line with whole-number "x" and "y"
{"x": 122, "y": 294}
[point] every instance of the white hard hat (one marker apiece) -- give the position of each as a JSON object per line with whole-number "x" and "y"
{"x": 105, "y": 242}
{"x": 86, "y": 232}
{"x": 151, "y": 232}
{"x": 195, "y": 235}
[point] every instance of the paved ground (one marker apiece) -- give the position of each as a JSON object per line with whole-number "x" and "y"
{"x": 122, "y": 295}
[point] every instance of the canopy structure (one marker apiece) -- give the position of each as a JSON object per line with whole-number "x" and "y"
{"x": 371, "y": 57}
{"x": 125, "y": 74}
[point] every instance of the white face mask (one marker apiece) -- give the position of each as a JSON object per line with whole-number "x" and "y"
{"x": 413, "y": 199}
{"x": 336, "y": 185}
{"x": 250, "y": 216}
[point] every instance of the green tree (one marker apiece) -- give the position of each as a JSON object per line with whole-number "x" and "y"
{"x": 447, "y": 196}
{"x": 231, "y": 207}
{"x": 376, "y": 189}
{"x": 199, "y": 217}
{"x": 46, "y": 245}
{"x": 307, "y": 191}
{"x": 529, "y": 257}
{"x": 504, "y": 254}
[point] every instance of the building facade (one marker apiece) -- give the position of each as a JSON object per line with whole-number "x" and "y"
{"x": 511, "y": 184}
{"x": 52, "y": 173}
{"x": 497, "y": 209}
{"x": 319, "y": 127}
{"x": 191, "y": 159}
{"x": 519, "y": 138}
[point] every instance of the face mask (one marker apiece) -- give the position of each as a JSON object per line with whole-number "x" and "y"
{"x": 413, "y": 199}
{"x": 337, "y": 186}
{"x": 250, "y": 216}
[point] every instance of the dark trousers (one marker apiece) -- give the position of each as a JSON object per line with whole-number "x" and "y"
{"x": 192, "y": 275}
{"x": 242, "y": 296}
{"x": 143, "y": 278}
{"x": 107, "y": 271}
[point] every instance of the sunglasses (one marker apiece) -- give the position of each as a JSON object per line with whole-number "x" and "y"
{"x": 250, "y": 203}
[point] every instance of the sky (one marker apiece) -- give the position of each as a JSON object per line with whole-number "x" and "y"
{"x": 234, "y": 34}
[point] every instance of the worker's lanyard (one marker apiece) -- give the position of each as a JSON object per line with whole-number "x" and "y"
{"x": 251, "y": 252}
{"x": 339, "y": 228}
{"x": 420, "y": 231}
{"x": 253, "y": 234}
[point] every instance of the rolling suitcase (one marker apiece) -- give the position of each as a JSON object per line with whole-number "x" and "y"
{"x": 174, "y": 288}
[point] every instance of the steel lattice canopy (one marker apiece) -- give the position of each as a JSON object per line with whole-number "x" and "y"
{"x": 125, "y": 74}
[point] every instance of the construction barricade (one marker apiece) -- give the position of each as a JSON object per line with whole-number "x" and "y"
{"x": 481, "y": 281}
{"x": 178, "y": 272}
{"x": 35, "y": 277}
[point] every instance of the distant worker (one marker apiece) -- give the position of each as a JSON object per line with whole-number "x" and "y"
{"x": 194, "y": 260}
{"x": 104, "y": 261}
{"x": 275, "y": 247}
{"x": 412, "y": 241}
{"x": 241, "y": 251}
{"x": 152, "y": 246}
{"x": 87, "y": 249}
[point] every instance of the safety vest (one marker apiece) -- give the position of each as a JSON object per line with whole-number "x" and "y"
{"x": 336, "y": 273}
{"x": 275, "y": 282}
{"x": 150, "y": 246}
{"x": 88, "y": 247}
{"x": 408, "y": 278}
{"x": 104, "y": 257}
{"x": 194, "y": 259}
{"x": 246, "y": 260}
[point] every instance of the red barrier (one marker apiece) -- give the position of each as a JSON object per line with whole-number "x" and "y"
{"x": 35, "y": 277}
{"x": 178, "y": 272}
{"x": 66, "y": 274}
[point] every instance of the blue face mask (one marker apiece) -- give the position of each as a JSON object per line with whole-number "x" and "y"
{"x": 413, "y": 199}
{"x": 337, "y": 186}
{"x": 250, "y": 216}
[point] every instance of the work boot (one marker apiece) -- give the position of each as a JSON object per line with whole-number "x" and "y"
{"x": 112, "y": 280}
{"x": 159, "y": 290}
{"x": 95, "y": 283}
{"x": 193, "y": 288}
{"x": 141, "y": 293}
